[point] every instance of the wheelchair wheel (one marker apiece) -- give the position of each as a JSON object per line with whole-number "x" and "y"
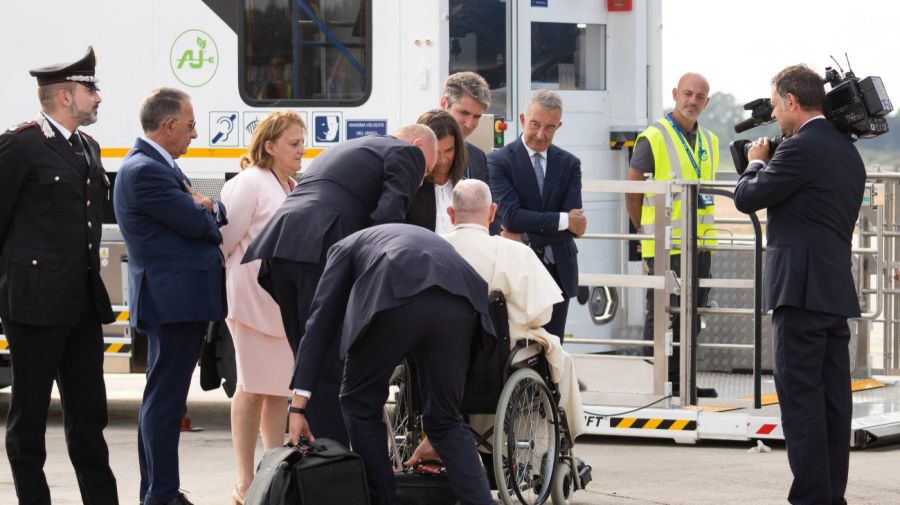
{"x": 402, "y": 440}
{"x": 563, "y": 484}
{"x": 526, "y": 439}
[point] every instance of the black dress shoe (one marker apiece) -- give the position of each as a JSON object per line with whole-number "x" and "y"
{"x": 179, "y": 500}
{"x": 707, "y": 393}
{"x": 701, "y": 392}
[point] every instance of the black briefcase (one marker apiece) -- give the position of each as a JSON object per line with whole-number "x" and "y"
{"x": 424, "y": 489}
{"x": 323, "y": 472}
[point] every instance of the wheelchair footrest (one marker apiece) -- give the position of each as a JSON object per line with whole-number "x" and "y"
{"x": 584, "y": 472}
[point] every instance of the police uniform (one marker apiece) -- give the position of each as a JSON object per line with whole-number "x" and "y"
{"x": 52, "y": 300}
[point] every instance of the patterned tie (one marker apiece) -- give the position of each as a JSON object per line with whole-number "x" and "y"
{"x": 181, "y": 175}
{"x": 539, "y": 172}
{"x": 78, "y": 147}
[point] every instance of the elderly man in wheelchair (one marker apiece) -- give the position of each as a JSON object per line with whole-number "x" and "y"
{"x": 522, "y": 397}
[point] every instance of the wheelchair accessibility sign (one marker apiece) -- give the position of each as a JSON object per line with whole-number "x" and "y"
{"x": 327, "y": 128}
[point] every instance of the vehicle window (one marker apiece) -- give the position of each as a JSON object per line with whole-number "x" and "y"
{"x": 478, "y": 44}
{"x": 568, "y": 56}
{"x": 315, "y": 52}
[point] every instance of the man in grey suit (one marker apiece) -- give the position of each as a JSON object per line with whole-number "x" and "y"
{"x": 378, "y": 299}
{"x": 354, "y": 185}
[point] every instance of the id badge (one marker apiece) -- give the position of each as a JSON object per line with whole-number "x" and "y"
{"x": 704, "y": 201}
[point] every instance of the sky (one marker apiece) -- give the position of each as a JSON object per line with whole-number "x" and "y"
{"x": 739, "y": 46}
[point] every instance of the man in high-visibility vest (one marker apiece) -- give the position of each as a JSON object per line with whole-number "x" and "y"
{"x": 673, "y": 148}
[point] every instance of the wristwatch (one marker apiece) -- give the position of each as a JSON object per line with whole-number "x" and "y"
{"x": 296, "y": 410}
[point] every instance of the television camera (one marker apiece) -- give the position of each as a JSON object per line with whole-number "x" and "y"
{"x": 855, "y": 106}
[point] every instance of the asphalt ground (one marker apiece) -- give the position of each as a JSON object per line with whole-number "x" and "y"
{"x": 625, "y": 471}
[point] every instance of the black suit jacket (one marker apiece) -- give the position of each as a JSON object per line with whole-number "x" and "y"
{"x": 813, "y": 188}
{"x": 373, "y": 270}
{"x": 523, "y": 208}
{"x": 51, "y": 217}
{"x": 356, "y": 184}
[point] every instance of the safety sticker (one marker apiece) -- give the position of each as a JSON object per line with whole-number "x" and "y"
{"x": 364, "y": 127}
{"x": 326, "y": 128}
{"x": 224, "y": 129}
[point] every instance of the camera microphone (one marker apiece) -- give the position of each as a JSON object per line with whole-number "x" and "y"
{"x": 745, "y": 125}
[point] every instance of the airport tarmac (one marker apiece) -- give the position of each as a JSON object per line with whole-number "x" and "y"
{"x": 625, "y": 471}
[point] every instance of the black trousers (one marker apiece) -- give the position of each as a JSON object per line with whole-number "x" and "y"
{"x": 73, "y": 357}
{"x": 436, "y": 329}
{"x": 557, "y": 324}
{"x": 293, "y": 286}
{"x": 812, "y": 378}
{"x": 704, "y": 271}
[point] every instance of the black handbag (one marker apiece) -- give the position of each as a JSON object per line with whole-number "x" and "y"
{"x": 323, "y": 472}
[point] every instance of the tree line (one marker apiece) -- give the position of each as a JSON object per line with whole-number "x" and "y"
{"x": 724, "y": 111}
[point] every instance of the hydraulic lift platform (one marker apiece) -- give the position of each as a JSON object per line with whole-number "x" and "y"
{"x": 615, "y": 404}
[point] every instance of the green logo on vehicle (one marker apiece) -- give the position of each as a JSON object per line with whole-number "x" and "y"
{"x": 194, "y": 58}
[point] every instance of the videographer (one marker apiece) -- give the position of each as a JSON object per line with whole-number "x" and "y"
{"x": 812, "y": 187}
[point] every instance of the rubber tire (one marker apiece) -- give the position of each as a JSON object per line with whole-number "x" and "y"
{"x": 563, "y": 484}
{"x": 500, "y": 437}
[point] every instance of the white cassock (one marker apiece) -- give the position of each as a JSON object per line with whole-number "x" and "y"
{"x": 513, "y": 269}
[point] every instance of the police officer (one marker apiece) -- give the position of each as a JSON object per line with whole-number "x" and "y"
{"x": 676, "y": 147}
{"x": 52, "y": 300}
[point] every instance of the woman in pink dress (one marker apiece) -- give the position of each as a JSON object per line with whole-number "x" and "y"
{"x": 264, "y": 358}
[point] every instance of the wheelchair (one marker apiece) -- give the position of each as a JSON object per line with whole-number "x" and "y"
{"x": 529, "y": 445}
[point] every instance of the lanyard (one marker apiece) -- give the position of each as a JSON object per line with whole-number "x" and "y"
{"x": 688, "y": 150}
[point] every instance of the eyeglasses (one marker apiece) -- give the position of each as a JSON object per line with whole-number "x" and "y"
{"x": 191, "y": 124}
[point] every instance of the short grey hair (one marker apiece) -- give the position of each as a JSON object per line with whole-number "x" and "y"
{"x": 160, "y": 104}
{"x": 462, "y": 84}
{"x": 471, "y": 200}
{"x": 47, "y": 93}
{"x": 547, "y": 99}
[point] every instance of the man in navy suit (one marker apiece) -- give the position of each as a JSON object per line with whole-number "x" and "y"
{"x": 354, "y": 185}
{"x": 812, "y": 187}
{"x": 388, "y": 292}
{"x": 176, "y": 278}
{"x": 537, "y": 187}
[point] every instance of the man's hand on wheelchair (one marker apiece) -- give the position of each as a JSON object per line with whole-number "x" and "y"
{"x": 425, "y": 459}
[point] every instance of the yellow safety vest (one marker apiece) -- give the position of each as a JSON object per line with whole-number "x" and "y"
{"x": 672, "y": 163}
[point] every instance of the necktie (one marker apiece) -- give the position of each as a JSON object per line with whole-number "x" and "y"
{"x": 538, "y": 171}
{"x": 181, "y": 175}
{"x": 78, "y": 147}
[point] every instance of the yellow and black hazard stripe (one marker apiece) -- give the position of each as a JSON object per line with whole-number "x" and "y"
{"x": 120, "y": 348}
{"x": 636, "y": 423}
{"x": 618, "y": 145}
{"x": 121, "y": 316}
{"x": 622, "y": 140}
{"x": 4, "y": 345}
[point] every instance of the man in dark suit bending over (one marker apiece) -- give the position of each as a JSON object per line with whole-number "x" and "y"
{"x": 388, "y": 292}
{"x": 537, "y": 187}
{"x": 357, "y": 184}
{"x": 812, "y": 187}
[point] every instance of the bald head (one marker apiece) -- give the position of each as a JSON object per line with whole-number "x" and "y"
{"x": 422, "y": 137}
{"x": 691, "y": 98}
{"x": 471, "y": 203}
